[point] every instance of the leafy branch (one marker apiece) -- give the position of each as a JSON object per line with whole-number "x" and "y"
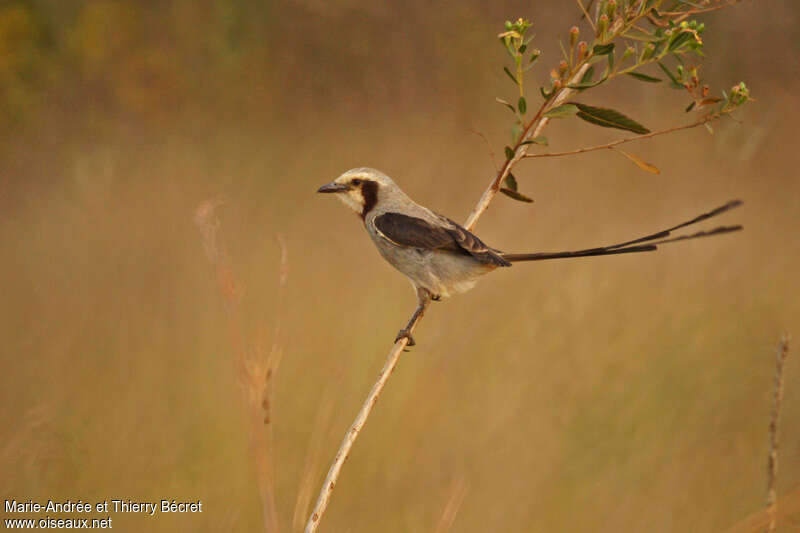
{"x": 651, "y": 31}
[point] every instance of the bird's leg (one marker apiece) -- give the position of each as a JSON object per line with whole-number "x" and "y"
{"x": 424, "y": 298}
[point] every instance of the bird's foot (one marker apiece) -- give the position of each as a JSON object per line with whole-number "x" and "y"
{"x": 436, "y": 297}
{"x": 404, "y": 333}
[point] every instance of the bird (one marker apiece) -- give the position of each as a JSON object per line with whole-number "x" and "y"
{"x": 442, "y": 258}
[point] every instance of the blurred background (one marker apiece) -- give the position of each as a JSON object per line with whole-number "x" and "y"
{"x": 625, "y": 393}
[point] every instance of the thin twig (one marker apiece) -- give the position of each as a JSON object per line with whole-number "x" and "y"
{"x": 352, "y": 433}
{"x": 586, "y": 14}
{"x": 623, "y": 141}
{"x": 313, "y": 457}
{"x": 772, "y": 460}
{"x": 488, "y": 146}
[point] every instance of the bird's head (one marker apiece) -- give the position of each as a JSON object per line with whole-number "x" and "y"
{"x": 362, "y": 188}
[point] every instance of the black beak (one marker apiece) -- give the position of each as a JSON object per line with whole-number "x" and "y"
{"x": 333, "y": 187}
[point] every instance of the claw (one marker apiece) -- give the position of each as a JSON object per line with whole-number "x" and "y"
{"x": 436, "y": 297}
{"x": 404, "y": 333}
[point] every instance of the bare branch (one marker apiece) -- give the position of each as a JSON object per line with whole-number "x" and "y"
{"x": 623, "y": 141}
{"x": 350, "y": 437}
{"x": 313, "y": 457}
{"x": 772, "y": 460}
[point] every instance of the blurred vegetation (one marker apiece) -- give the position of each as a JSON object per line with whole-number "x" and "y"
{"x": 622, "y": 394}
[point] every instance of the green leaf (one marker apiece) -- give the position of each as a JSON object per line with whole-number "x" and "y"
{"x": 511, "y": 182}
{"x": 608, "y": 118}
{"x": 587, "y": 76}
{"x": 603, "y": 49}
{"x": 675, "y": 83}
{"x": 640, "y": 36}
{"x": 644, "y": 77}
{"x": 508, "y": 105}
{"x": 516, "y": 195}
{"x": 522, "y": 105}
{"x": 505, "y": 69}
{"x": 566, "y": 110}
{"x": 690, "y": 107}
{"x": 509, "y": 152}
{"x": 679, "y": 40}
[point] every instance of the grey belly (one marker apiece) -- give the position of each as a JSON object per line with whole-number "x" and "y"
{"x": 442, "y": 273}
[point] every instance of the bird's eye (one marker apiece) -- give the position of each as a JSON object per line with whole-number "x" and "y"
{"x": 356, "y": 182}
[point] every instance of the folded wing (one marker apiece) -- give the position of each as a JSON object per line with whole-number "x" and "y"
{"x": 414, "y": 232}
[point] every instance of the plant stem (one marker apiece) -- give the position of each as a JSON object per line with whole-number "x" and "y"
{"x": 623, "y": 141}
{"x": 355, "y": 428}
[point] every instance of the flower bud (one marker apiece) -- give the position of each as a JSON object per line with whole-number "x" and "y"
{"x": 602, "y": 25}
{"x": 574, "y": 32}
{"x": 611, "y": 9}
{"x": 583, "y": 48}
{"x": 562, "y": 68}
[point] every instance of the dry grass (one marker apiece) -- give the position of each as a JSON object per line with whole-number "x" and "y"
{"x": 772, "y": 464}
{"x": 256, "y": 367}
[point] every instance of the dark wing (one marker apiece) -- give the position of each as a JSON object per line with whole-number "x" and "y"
{"x": 404, "y": 230}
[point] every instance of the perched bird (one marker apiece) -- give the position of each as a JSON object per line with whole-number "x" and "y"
{"x": 442, "y": 258}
